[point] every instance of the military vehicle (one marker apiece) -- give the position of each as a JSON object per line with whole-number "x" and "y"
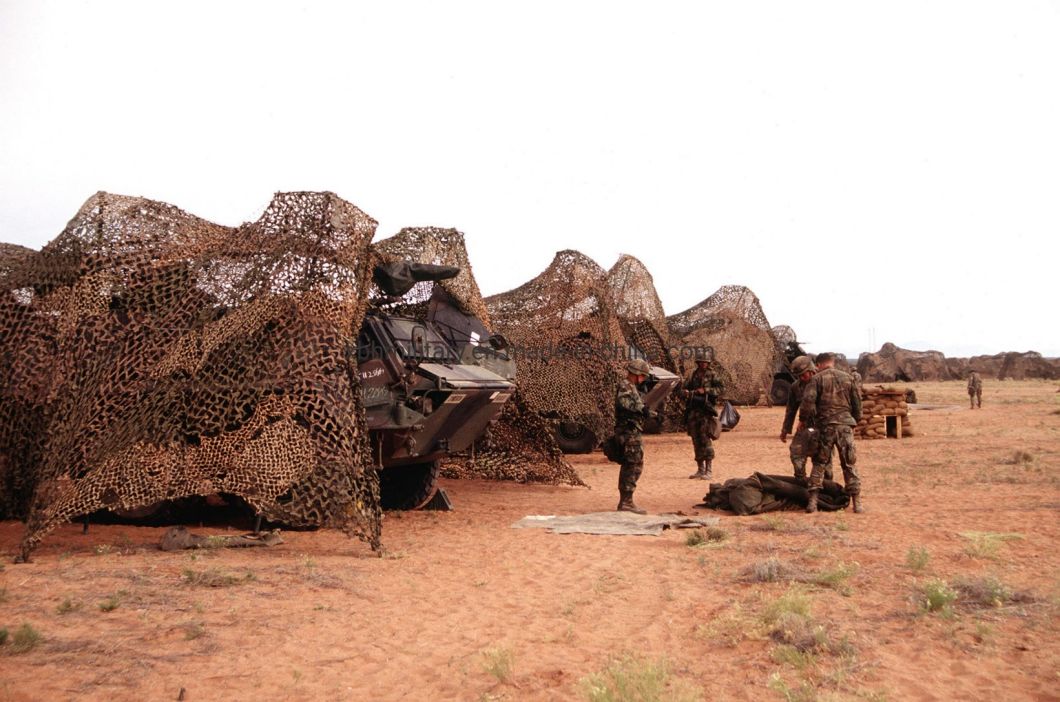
{"x": 431, "y": 384}
{"x": 574, "y": 437}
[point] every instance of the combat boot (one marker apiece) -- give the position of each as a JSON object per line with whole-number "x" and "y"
{"x": 708, "y": 470}
{"x": 626, "y": 504}
{"x": 701, "y": 472}
{"x": 811, "y": 503}
{"x": 856, "y": 501}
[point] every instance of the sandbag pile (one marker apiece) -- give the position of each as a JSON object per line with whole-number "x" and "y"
{"x": 877, "y": 404}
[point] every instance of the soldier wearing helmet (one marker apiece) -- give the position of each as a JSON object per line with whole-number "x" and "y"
{"x": 629, "y": 425}
{"x": 804, "y": 443}
{"x": 832, "y": 403}
{"x": 702, "y": 390}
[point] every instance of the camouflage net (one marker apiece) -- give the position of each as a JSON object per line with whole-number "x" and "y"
{"x": 437, "y": 246}
{"x": 519, "y": 445}
{"x": 633, "y": 292}
{"x": 731, "y": 321}
{"x": 567, "y": 341}
{"x": 149, "y": 355}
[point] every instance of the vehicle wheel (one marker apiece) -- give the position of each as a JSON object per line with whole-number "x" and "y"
{"x": 574, "y": 438}
{"x": 408, "y": 487}
{"x": 778, "y": 393}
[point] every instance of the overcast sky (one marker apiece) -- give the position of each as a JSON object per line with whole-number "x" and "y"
{"x": 875, "y": 172}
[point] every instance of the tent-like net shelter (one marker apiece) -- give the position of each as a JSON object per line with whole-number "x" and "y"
{"x": 733, "y": 324}
{"x": 148, "y": 355}
{"x": 567, "y": 341}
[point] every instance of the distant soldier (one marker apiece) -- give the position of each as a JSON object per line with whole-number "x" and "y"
{"x": 857, "y": 377}
{"x": 703, "y": 389}
{"x": 804, "y": 443}
{"x": 975, "y": 390}
{"x": 629, "y": 425}
{"x": 833, "y": 405}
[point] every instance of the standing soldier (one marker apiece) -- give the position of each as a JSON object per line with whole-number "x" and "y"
{"x": 703, "y": 389}
{"x": 804, "y": 443}
{"x": 832, "y": 404}
{"x": 857, "y": 378}
{"x": 629, "y": 424}
{"x": 975, "y": 390}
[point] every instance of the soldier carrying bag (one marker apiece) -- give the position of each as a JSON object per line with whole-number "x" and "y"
{"x": 613, "y": 450}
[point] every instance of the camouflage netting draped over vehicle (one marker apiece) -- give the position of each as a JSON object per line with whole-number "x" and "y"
{"x": 566, "y": 340}
{"x": 732, "y": 322}
{"x": 518, "y": 446}
{"x": 633, "y": 290}
{"x": 437, "y": 246}
{"x": 150, "y": 355}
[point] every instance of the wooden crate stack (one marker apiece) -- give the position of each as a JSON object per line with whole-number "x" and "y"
{"x": 877, "y": 404}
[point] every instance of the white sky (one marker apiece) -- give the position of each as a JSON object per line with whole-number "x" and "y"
{"x": 790, "y": 147}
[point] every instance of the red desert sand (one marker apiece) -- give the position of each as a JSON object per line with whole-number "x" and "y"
{"x": 947, "y": 588}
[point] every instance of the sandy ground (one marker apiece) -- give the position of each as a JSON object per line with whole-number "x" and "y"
{"x": 463, "y": 607}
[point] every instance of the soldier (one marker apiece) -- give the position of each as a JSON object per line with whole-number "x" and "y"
{"x": 832, "y": 404}
{"x": 804, "y": 443}
{"x": 857, "y": 378}
{"x": 629, "y": 424}
{"x": 975, "y": 390}
{"x": 703, "y": 389}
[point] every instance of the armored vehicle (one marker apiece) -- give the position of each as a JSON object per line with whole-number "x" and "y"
{"x": 431, "y": 383}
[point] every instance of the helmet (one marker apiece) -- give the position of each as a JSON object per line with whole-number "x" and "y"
{"x": 638, "y": 366}
{"x": 802, "y": 364}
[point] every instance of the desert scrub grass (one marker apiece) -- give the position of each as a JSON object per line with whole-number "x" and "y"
{"x": 804, "y": 692}
{"x": 730, "y": 628}
{"x": 112, "y": 602}
{"x": 936, "y": 595}
{"x": 836, "y": 577}
{"x": 794, "y": 601}
{"x": 499, "y": 662}
{"x": 711, "y": 536}
{"x": 988, "y": 591}
{"x": 770, "y": 570}
{"x": 68, "y": 605}
{"x": 771, "y": 523}
{"x": 212, "y": 577}
{"x": 193, "y": 630}
{"x": 917, "y": 558}
{"x": 631, "y": 678}
{"x": 25, "y": 638}
{"x": 1019, "y": 458}
{"x": 987, "y": 544}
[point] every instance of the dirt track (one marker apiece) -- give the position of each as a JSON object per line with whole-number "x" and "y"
{"x": 460, "y": 593}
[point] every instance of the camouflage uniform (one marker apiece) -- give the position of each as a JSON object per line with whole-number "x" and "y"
{"x": 804, "y": 443}
{"x": 832, "y": 403}
{"x": 975, "y": 390}
{"x": 629, "y": 424}
{"x": 857, "y": 378}
{"x": 698, "y": 414}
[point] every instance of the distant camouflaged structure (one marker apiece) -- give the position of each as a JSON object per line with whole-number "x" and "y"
{"x": 150, "y": 355}
{"x": 732, "y": 322}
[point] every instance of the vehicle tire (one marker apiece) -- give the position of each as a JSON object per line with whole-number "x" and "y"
{"x": 778, "y": 393}
{"x": 575, "y": 438}
{"x": 408, "y": 487}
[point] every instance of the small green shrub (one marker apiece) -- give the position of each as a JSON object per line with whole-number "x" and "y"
{"x": 630, "y": 678}
{"x": 67, "y": 606}
{"x": 111, "y": 603}
{"x": 936, "y": 596}
{"x": 25, "y": 639}
{"x": 212, "y": 577}
{"x": 917, "y": 558}
{"x": 770, "y": 570}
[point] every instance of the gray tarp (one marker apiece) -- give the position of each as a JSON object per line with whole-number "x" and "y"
{"x": 614, "y": 523}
